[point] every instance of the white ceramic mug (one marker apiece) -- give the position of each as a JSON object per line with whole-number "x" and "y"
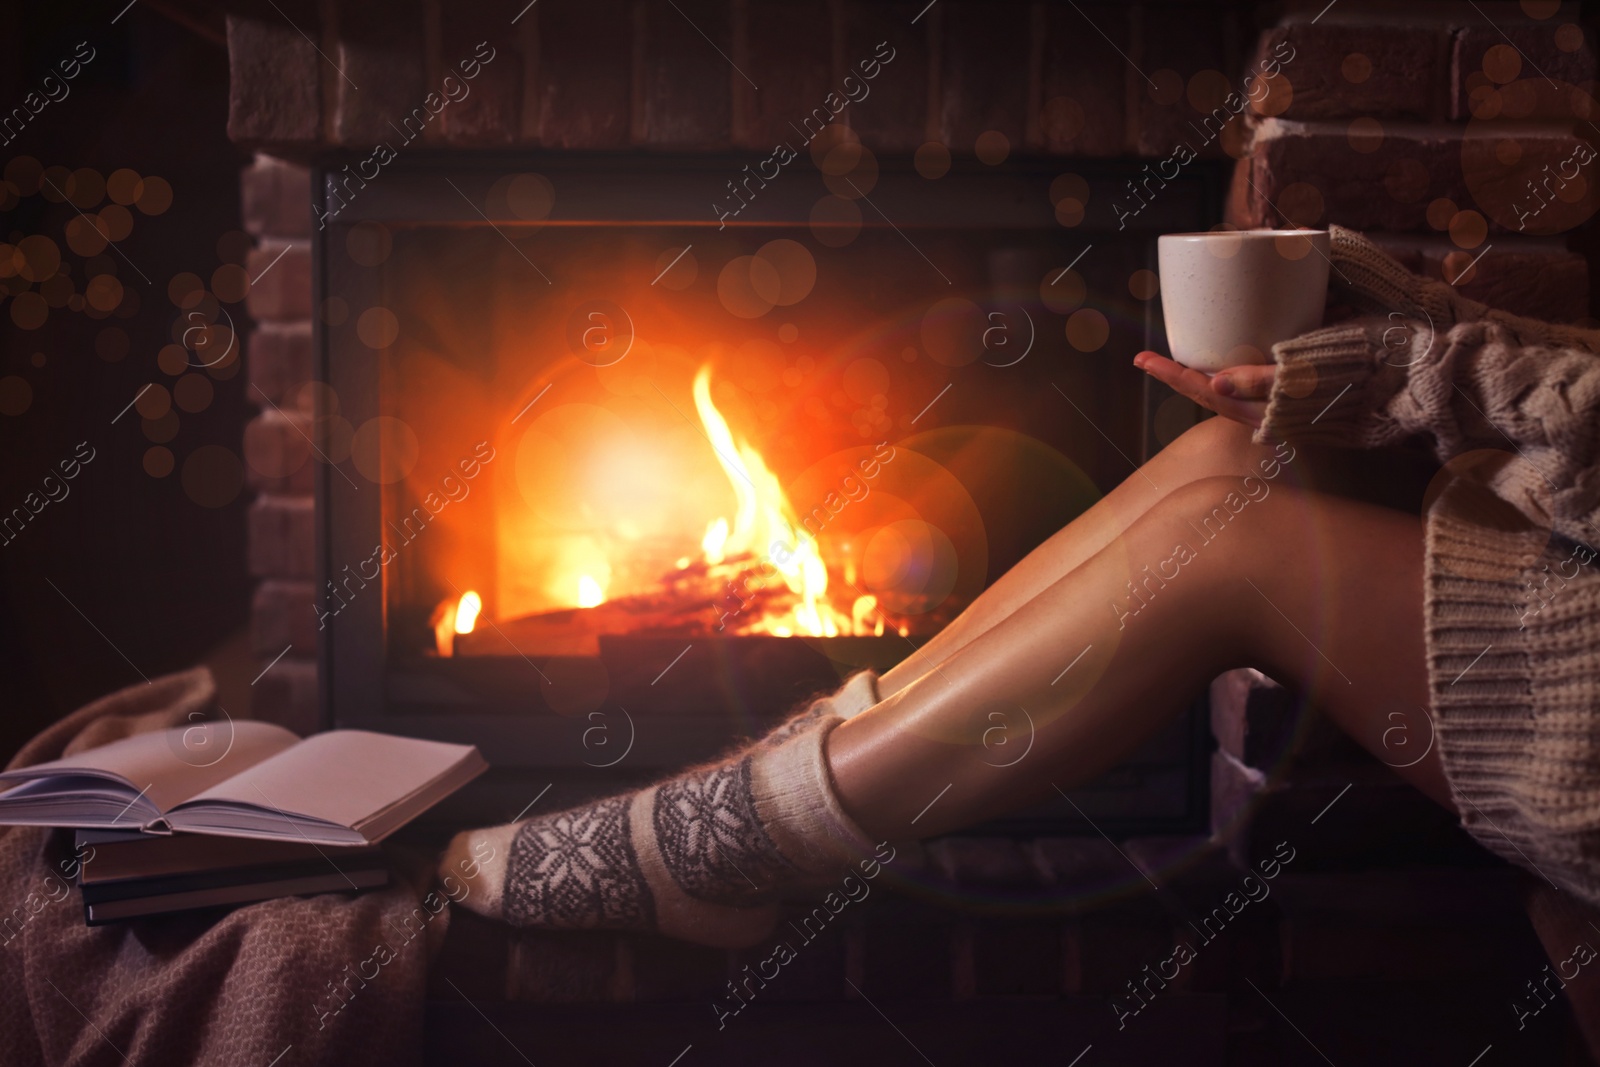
{"x": 1229, "y": 296}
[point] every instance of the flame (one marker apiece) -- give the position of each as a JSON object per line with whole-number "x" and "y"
{"x": 764, "y": 525}
{"x": 590, "y": 592}
{"x": 864, "y": 614}
{"x": 715, "y": 541}
{"x": 467, "y": 612}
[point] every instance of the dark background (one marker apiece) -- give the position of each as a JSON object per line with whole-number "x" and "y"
{"x": 161, "y": 577}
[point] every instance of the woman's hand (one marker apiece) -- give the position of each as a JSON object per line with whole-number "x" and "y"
{"x": 1240, "y": 393}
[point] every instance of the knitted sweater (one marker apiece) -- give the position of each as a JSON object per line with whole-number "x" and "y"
{"x": 1511, "y": 597}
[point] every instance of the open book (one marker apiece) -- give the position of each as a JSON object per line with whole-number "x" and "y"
{"x": 245, "y": 779}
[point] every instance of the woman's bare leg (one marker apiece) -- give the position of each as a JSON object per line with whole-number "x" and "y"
{"x": 1215, "y": 447}
{"x": 1317, "y": 591}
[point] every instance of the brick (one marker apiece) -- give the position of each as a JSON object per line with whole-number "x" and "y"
{"x": 1234, "y": 791}
{"x": 817, "y": 971}
{"x": 896, "y": 117}
{"x": 562, "y": 967}
{"x": 1404, "y": 925}
{"x": 1179, "y": 38}
{"x": 1261, "y": 723}
{"x": 277, "y": 452}
{"x": 1085, "y": 865}
{"x": 490, "y": 112}
{"x": 1017, "y": 958}
{"x": 1336, "y": 183}
{"x": 985, "y": 861}
{"x": 1118, "y": 939}
{"x": 905, "y": 960}
{"x": 584, "y": 74}
{"x": 983, "y": 72}
{"x": 287, "y": 694}
{"x": 668, "y": 970}
{"x": 1084, "y": 92}
{"x": 274, "y": 83}
{"x": 282, "y": 539}
{"x": 278, "y": 357}
{"x": 1408, "y": 65}
{"x": 281, "y": 615}
{"x": 792, "y": 46}
{"x": 1196, "y": 875}
{"x": 685, "y": 87}
{"x": 282, "y": 289}
{"x": 380, "y": 55}
{"x": 275, "y": 198}
{"x": 1537, "y": 58}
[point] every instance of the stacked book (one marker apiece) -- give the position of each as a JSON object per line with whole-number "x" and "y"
{"x": 230, "y": 813}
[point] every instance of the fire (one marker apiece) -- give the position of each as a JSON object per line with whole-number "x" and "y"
{"x": 764, "y": 526}
{"x": 467, "y": 612}
{"x": 590, "y": 592}
{"x": 715, "y": 541}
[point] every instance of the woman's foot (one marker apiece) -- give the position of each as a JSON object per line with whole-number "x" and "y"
{"x": 700, "y": 856}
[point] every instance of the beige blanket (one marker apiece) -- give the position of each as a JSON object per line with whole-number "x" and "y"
{"x": 287, "y": 982}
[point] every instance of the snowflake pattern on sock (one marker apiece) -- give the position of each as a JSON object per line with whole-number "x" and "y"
{"x": 711, "y": 839}
{"x": 578, "y": 870}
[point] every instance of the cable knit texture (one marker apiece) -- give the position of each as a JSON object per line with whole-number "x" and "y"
{"x": 1512, "y": 600}
{"x": 701, "y": 856}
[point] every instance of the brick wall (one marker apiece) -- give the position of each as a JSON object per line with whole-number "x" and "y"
{"x": 1426, "y": 134}
{"x": 278, "y": 441}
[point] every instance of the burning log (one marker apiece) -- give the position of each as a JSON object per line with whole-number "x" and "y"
{"x": 697, "y": 600}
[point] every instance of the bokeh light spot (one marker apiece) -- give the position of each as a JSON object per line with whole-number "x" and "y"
{"x": 377, "y": 327}
{"x": 158, "y": 461}
{"x": 384, "y": 449}
{"x": 932, "y": 160}
{"x": 16, "y": 395}
{"x": 1365, "y": 135}
{"x": 1468, "y": 229}
{"x": 155, "y": 197}
{"x": 1088, "y": 330}
{"x": 992, "y": 147}
{"x": 676, "y": 268}
{"x": 1144, "y": 284}
{"x": 1356, "y": 68}
{"x": 29, "y": 310}
{"x": 368, "y": 243}
{"x": 835, "y": 221}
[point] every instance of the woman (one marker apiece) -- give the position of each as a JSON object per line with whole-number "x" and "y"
{"x": 1235, "y": 546}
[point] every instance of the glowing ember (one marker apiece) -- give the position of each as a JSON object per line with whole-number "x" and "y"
{"x": 467, "y": 612}
{"x": 590, "y": 593}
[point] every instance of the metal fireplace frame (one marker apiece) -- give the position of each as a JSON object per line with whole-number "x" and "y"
{"x": 356, "y": 682}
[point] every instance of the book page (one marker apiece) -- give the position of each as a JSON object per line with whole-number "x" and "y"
{"x": 170, "y": 766}
{"x": 342, "y": 777}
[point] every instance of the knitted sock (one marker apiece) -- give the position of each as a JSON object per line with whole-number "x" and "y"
{"x": 700, "y": 856}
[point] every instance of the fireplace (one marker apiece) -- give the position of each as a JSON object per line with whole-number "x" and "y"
{"x": 612, "y": 479}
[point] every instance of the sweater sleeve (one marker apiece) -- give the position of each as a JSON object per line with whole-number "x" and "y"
{"x": 1481, "y": 385}
{"x": 1336, "y": 385}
